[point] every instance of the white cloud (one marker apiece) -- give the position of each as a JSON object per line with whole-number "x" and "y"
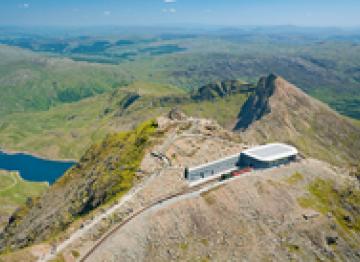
{"x": 169, "y": 10}
{"x": 24, "y": 6}
{"x": 169, "y": 1}
{"x": 107, "y": 13}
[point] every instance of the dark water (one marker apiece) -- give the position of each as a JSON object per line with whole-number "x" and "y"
{"x": 32, "y": 168}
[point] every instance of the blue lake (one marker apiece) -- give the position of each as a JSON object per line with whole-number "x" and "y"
{"x": 32, "y": 168}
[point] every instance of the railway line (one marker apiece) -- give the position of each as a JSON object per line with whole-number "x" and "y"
{"x": 191, "y": 190}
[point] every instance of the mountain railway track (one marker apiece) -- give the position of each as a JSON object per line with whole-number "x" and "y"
{"x": 139, "y": 212}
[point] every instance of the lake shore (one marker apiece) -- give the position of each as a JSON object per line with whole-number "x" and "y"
{"x": 15, "y": 152}
{"x": 19, "y": 178}
{"x": 33, "y": 168}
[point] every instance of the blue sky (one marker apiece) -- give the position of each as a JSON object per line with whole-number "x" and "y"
{"x": 171, "y": 12}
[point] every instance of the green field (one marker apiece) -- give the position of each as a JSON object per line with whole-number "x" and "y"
{"x": 14, "y": 192}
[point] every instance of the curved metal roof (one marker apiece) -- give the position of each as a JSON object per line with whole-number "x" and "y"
{"x": 271, "y": 152}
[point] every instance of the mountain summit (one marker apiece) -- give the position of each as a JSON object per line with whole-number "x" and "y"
{"x": 279, "y": 111}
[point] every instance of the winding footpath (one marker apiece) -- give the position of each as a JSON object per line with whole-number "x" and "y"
{"x": 14, "y": 179}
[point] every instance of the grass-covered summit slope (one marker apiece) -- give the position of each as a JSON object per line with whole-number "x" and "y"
{"x": 106, "y": 171}
{"x": 340, "y": 201}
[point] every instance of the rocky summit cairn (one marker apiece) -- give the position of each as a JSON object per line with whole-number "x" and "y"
{"x": 176, "y": 114}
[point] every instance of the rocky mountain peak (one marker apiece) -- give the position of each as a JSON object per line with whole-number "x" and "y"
{"x": 279, "y": 111}
{"x": 258, "y": 103}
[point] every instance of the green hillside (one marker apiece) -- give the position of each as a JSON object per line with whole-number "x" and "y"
{"x": 14, "y": 192}
{"x": 30, "y": 81}
{"x": 106, "y": 172}
{"x": 66, "y": 131}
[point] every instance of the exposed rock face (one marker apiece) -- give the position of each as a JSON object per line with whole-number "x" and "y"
{"x": 221, "y": 89}
{"x": 128, "y": 100}
{"x": 258, "y": 103}
{"x": 279, "y": 111}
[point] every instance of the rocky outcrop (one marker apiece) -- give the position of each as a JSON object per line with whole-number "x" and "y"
{"x": 176, "y": 114}
{"x": 128, "y": 100}
{"x": 221, "y": 89}
{"x": 258, "y": 103}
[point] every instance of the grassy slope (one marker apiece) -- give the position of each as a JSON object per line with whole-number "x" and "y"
{"x": 60, "y": 132}
{"x": 30, "y": 81}
{"x": 14, "y": 192}
{"x": 66, "y": 131}
{"x": 342, "y": 202}
{"x": 224, "y": 111}
{"x": 344, "y": 103}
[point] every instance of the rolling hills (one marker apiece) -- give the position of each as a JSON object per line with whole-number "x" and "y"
{"x": 34, "y": 82}
{"x": 66, "y": 131}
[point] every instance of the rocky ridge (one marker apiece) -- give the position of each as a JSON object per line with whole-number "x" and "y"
{"x": 222, "y": 89}
{"x": 279, "y": 111}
